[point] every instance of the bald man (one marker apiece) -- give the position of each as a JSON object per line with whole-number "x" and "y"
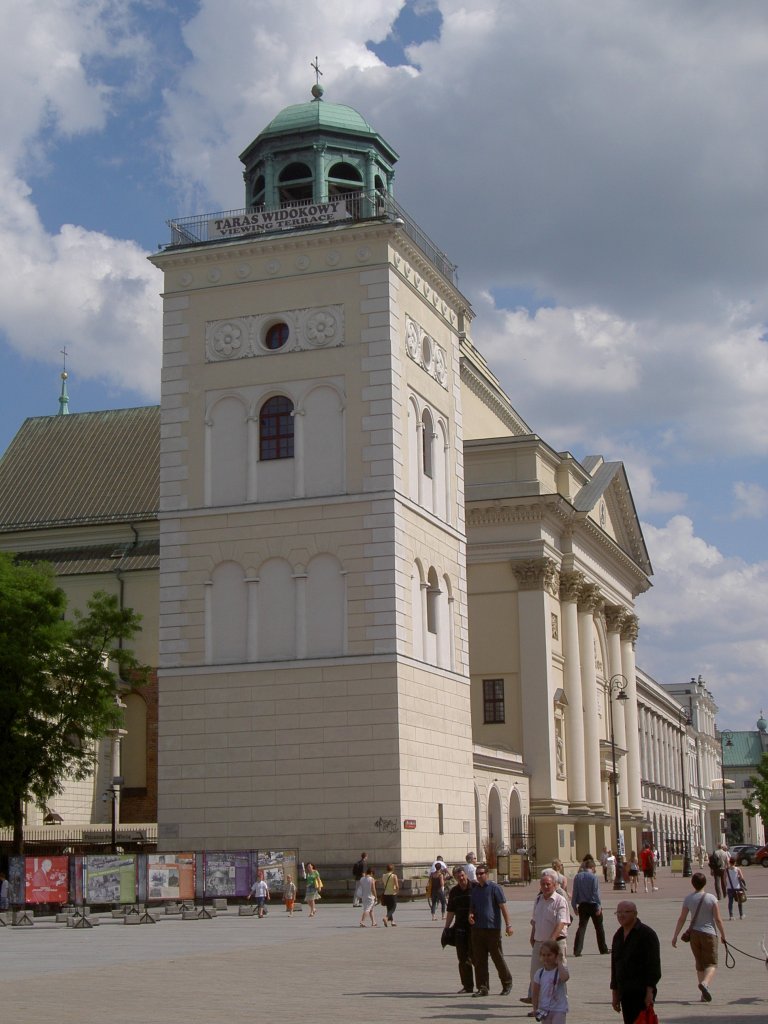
{"x": 635, "y": 964}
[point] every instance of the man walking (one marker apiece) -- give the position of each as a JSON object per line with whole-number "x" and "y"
{"x": 488, "y": 905}
{"x": 585, "y": 900}
{"x": 359, "y": 869}
{"x": 471, "y": 867}
{"x": 635, "y": 964}
{"x": 550, "y": 921}
{"x": 718, "y": 864}
{"x": 648, "y": 867}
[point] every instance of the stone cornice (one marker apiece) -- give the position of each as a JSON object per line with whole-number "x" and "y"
{"x": 478, "y": 387}
{"x": 531, "y": 509}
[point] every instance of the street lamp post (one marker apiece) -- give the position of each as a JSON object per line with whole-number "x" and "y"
{"x": 684, "y": 720}
{"x": 726, "y": 740}
{"x": 619, "y": 684}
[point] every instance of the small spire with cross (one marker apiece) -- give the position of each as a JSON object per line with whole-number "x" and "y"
{"x": 317, "y": 89}
{"x": 64, "y": 397}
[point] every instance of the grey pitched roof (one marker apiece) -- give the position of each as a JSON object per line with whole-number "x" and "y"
{"x": 591, "y": 493}
{"x": 91, "y": 467}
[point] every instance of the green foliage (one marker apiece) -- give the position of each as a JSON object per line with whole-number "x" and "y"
{"x": 59, "y": 680}
{"x": 757, "y": 801}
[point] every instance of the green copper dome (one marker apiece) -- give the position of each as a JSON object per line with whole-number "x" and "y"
{"x": 318, "y": 115}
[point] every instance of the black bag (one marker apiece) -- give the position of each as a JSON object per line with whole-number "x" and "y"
{"x": 448, "y": 938}
{"x": 358, "y": 870}
{"x": 712, "y": 861}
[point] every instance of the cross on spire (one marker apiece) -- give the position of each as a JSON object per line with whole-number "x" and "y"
{"x": 316, "y": 69}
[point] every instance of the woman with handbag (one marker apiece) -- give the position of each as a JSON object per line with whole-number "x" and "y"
{"x": 736, "y": 888}
{"x": 314, "y": 887}
{"x": 706, "y": 922}
{"x": 390, "y": 886}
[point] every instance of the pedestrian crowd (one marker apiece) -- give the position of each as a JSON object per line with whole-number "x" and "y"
{"x": 474, "y": 914}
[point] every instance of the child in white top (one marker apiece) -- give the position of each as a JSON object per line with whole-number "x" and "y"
{"x": 549, "y": 992}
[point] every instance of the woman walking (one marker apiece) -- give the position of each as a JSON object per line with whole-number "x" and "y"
{"x": 314, "y": 887}
{"x": 706, "y": 922}
{"x": 734, "y": 880}
{"x": 368, "y": 896}
{"x": 390, "y": 887}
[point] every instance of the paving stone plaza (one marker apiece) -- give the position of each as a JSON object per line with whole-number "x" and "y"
{"x": 234, "y": 969}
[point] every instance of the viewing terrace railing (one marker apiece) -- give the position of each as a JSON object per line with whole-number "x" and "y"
{"x": 304, "y": 214}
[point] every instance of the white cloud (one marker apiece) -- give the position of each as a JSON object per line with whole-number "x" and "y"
{"x": 95, "y": 293}
{"x": 751, "y": 500}
{"x": 705, "y": 614}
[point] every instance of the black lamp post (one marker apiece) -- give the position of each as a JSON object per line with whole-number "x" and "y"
{"x": 684, "y": 720}
{"x": 726, "y": 740}
{"x": 619, "y": 684}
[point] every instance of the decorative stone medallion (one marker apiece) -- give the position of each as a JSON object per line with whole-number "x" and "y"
{"x": 424, "y": 350}
{"x": 244, "y": 337}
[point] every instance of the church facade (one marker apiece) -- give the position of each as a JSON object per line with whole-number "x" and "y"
{"x": 388, "y": 616}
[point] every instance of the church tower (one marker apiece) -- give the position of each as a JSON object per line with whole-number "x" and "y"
{"x": 314, "y": 687}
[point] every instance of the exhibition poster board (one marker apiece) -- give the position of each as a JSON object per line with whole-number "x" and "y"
{"x": 46, "y": 879}
{"x": 226, "y": 874}
{"x": 170, "y": 876}
{"x": 110, "y": 878}
{"x": 277, "y": 865}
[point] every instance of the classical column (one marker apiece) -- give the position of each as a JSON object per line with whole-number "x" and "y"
{"x": 301, "y": 614}
{"x": 629, "y": 671}
{"x": 537, "y": 584}
{"x": 299, "y": 475}
{"x": 252, "y": 636}
{"x": 570, "y": 588}
{"x": 590, "y": 602}
{"x": 252, "y": 470}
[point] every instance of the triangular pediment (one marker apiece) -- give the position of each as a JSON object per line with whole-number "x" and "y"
{"x": 607, "y": 501}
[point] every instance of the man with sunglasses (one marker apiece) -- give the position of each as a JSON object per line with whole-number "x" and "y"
{"x": 488, "y": 905}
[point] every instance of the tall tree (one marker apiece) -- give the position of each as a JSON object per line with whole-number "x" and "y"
{"x": 757, "y": 801}
{"x": 59, "y": 685}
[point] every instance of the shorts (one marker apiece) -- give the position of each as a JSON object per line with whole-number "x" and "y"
{"x": 648, "y": 872}
{"x": 704, "y": 949}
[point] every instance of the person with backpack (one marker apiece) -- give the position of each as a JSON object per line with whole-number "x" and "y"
{"x": 359, "y": 869}
{"x": 648, "y": 865}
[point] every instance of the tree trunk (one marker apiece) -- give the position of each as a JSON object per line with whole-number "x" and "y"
{"x": 18, "y": 826}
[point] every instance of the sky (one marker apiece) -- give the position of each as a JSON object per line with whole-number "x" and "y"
{"x": 597, "y": 170}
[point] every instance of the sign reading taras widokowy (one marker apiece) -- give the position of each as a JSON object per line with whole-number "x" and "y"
{"x": 299, "y": 216}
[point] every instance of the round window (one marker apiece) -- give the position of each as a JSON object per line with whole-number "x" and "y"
{"x": 276, "y": 336}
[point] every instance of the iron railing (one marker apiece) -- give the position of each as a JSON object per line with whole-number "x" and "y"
{"x": 305, "y": 214}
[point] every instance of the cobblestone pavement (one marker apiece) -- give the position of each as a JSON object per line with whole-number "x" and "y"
{"x": 300, "y": 971}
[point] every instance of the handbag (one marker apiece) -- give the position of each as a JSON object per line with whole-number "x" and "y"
{"x": 686, "y": 936}
{"x": 741, "y": 896}
{"x": 647, "y": 1016}
{"x": 448, "y": 938}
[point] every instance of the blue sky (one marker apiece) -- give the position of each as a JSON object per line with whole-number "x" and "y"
{"x": 598, "y": 175}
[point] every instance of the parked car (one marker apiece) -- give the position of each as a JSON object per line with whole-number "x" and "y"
{"x": 744, "y": 853}
{"x": 761, "y": 857}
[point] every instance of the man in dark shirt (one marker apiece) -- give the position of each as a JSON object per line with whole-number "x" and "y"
{"x": 488, "y": 905}
{"x": 635, "y": 964}
{"x": 459, "y": 904}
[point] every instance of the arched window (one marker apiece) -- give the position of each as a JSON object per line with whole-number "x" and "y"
{"x": 433, "y": 600}
{"x": 427, "y": 443}
{"x": 257, "y": 192}
{"x": 295, "y": 183}
{"x": 276, "y": 429}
